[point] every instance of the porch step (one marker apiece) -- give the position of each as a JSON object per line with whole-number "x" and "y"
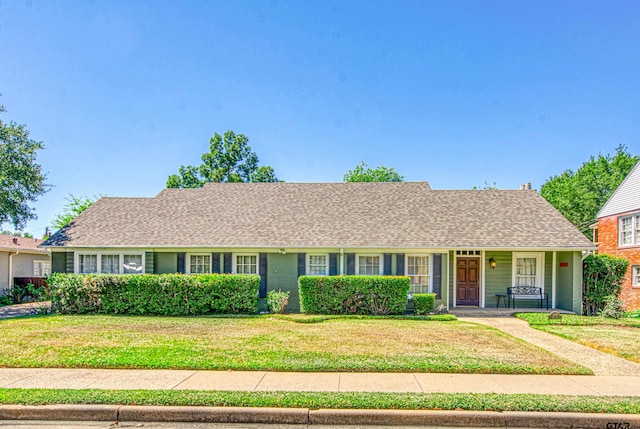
{"x": 499, "y": 312}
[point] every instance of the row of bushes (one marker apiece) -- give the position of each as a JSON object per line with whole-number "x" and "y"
{"x": 353, "y": 294}
{"x": 164, "y": 294}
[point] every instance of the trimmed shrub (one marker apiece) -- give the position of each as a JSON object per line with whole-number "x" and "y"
{"x": 153, "y": 294}
{"x": 603, "y": 276}
{"x": 375, "y": 295}
{"x": 423, "y": 302}
{"x": 277, "y": 301}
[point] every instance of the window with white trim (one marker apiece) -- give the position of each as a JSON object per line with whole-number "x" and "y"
{"x": 527, "y": 269}
{"x": 199, "y": 263}
{"x": 629, "y": 227}
{"x": 317, "y": 265}
{"x": 417, "y": 268}
{"x": 246, "y": 264}
{"x": 41, "y": 268}
{"x": 110, "y": 263}
{"x": 369, "y": 265}
{"x": 635, "y": 276}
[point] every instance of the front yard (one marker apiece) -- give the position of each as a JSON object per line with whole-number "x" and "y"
{"x": 270, "y": 343}
{"x": 619, "y": 337}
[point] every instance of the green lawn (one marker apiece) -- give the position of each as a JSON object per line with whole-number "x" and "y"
{"x": 619, "y": 337}
{"x": 317, "y": 400}
{"x": 271, "y": 343}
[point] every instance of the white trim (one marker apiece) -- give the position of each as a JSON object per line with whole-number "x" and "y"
{"x": 234, "y": 260}
{"x": 635, "y": 228}
{"x": 554, "y": 278}
{"x": 341, "y": 256}
{"x": 448, "y": 285}
{"x": 429, "y": 267}
{"x": 635, "y": 273}
{"x": 187, "y": 262}
{"x": 41, "y": 261}
{"x": 482, "y": 279}
{"x": 540, "y": 259}
{"x": 76, "y": 260}
{"x": 378, "y": 255}
{"x": 308, "y": 263}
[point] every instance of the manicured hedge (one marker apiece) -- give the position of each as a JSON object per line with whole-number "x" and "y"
{"x": 353, "y": 294}
{"x": 153, "y": 294}
{"x": 423, "y": 302}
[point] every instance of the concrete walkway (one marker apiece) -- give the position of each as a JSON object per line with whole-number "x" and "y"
{"x": 265, "y": 381}
{"x": 602, "y": 364}
{"x": 17, "y": 310}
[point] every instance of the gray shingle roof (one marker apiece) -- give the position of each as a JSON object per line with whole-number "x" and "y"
{"x": 366, "y": 215}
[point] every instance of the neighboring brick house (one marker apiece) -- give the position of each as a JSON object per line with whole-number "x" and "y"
{"x": 465, "y": 246}
{"x": 618, "y": 233}
{"x": 21, "y": 258}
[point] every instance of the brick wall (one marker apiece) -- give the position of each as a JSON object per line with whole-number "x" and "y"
{"x": 608, "y": 243}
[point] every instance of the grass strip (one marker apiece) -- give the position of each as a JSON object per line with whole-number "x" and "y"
{"x": 330, "y": 400}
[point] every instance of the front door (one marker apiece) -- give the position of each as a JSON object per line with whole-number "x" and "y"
{"x": 468, "y": 281}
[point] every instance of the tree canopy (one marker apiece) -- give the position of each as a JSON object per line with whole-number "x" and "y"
{"x": 229, "y": 159}
{"x": 580, "y": 194}
{"x": 21, "y": 178}
{"x": 75, "y": 206}
{"x": 364, "y": 173}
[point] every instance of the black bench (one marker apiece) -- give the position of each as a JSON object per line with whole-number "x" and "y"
{"x": 527, "y": 293}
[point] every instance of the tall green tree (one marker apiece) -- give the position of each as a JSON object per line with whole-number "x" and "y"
{"x": 229, "y": 159}
{"x": 21, "y": 178}
{"x": 364, "y": 173}
{"x": 579, "y": 195}
{"x": 71, "y": 210}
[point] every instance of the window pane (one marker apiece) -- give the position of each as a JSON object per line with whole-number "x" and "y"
{"x": 88, "y": 264}
{"x": 526, "y": 271}
{"x": 132, "y": 264}
{"x": 418, "y": 272}
{"x": 636, "y": 275}
{"x": 369, "y": 265}
{"x": 318, "y": 265}
{"x": 246, "y": 264}
{"x": 637, "y": 230}
{"x": 110, "y": 264}
{"x": 200, "y": 264}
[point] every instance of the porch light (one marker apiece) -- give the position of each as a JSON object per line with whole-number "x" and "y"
{"x": 492, "y": 263}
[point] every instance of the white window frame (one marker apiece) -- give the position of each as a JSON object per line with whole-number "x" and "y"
{"x": 41, "y": 272}
{"x": 98, "y": 255}
{"x": 635, "y": 276}
{"x": 235, "y": 261}
{"x": 378, "y": 255}
{"x": 187, "y": 263}
{"x": 539, "y": 267}
{"x": 308, "y": 264}
{"x": 635, "y": 230}
{"x": 429, "y": 268}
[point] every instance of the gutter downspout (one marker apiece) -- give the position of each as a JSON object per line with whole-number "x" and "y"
{"x": 11, "y": 255}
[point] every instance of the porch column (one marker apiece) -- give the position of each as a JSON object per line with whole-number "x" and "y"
{"x": 554, "y": 273}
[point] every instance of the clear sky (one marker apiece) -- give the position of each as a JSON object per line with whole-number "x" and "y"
{"x": 457, "y": 93}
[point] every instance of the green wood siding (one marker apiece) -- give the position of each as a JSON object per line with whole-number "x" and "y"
{"x": 58, "y": 262}
{"x": 282, "y": 274}
{"x": 497, "y": 280}
{"x": 165, "y": 262}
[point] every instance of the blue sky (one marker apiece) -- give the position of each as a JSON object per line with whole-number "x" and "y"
{"x": 457, "y": 93}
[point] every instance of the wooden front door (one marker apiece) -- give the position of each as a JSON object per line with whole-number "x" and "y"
{"x": 468, "y": 281}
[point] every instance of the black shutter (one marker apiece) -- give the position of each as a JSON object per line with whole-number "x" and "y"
{"x": 302, "y": 259}
{"x": 228, "y": 263}
{"x": 216, "y": 262}
{"x": 181, "y": 257}
{"x": 263, "y": 275}
{"x": 351, "y": 263}
{"x": 437, "y": 275}
{"x": 400, "y": 264}
{"x": 386, "y": 264}
{"x": 333, "y": 264}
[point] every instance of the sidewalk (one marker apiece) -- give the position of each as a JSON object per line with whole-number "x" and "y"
{"x": 266, "y": 381}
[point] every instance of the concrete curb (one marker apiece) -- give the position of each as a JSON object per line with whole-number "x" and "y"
{"x": 303, "y": 416}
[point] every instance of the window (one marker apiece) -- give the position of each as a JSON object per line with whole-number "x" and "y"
{"x": 109, "y": 263}
{"x": 418, "y": 272}
{"x": 199, "y": 264}
{"x": 317, "y": 265}
{"x": 41, "y": 268}
{"x": 629, "y": 230}
{"x": 635, "y": 275}
{"x": 88, "y": 264}
{"x": 527, "y": 269}
{"x": 368, "y": 265}
{"x": 246, "y": 264}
